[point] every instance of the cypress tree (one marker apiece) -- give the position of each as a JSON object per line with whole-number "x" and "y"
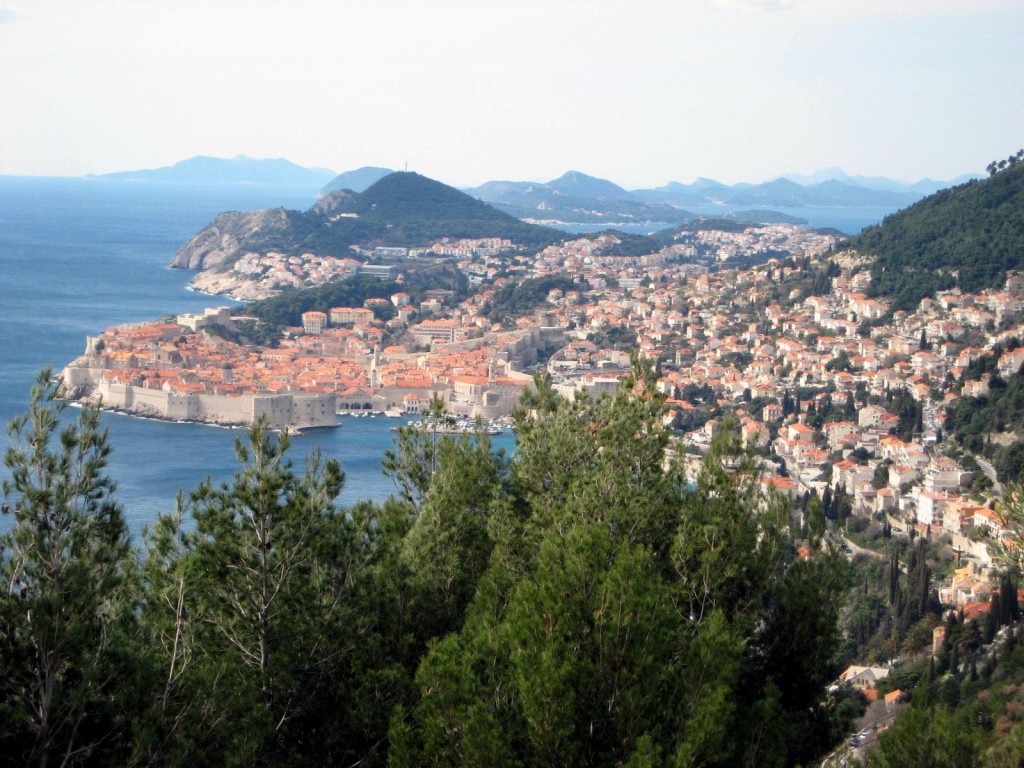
{"x": 992, "y": 619}
{"x": 1011, "y": 608}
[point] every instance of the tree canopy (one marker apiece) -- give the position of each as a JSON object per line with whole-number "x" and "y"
{"x": 580, "y": 602}
{"x": 967, "y": 236}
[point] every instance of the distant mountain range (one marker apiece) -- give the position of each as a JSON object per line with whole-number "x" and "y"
{"x": 881, "y": 183}
{"x": 835, "y": 190}
{"x": 236, "y": 170}
{"x": 575, "y": 200}
{"x": 578, "y": 198}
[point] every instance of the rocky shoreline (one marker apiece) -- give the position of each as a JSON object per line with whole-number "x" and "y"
{"x": 232, "y": 285}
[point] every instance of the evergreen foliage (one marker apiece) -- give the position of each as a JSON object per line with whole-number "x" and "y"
{"x": 625, "y": 620}
{"x": 972, "y": 421}
{"x": 285, "y": 309}
{"x": 516, "y": 299}
{"x": 628, "y": 245}
{"x": 577, "y": 603}
{"x": 67, "y": 600}
{"x": 967, "y": 236}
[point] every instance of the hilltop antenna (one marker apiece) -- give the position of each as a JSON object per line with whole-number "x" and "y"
{"x": 406, "y": 166}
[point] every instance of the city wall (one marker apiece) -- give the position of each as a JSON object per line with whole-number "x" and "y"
{"x": 282, "y": 411}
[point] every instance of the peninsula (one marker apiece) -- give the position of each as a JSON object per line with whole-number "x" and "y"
{"x": 179, "y": 370}
{"x": 476, "y": 347}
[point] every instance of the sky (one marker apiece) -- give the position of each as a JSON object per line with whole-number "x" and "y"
{"x": 466, "y": 91}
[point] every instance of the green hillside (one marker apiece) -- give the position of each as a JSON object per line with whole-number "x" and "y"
{"x": 992, "y": 425}
{"x": 967, "y": 236}
{"x": 402, "y": 209}
{"x": 415, "y": 209}
{"x": 286, "y": 309}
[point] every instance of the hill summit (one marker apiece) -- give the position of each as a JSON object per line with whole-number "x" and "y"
{"x": 402, "y": 209}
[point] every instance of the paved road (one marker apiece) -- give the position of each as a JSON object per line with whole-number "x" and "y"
{"x": 990, "y": 473}
{"x": 841, "y": 541}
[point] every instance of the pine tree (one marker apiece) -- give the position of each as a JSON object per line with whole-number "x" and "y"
{"x": 992, "y": 618}
{"x": 588, "y": 641}
{"x": 262, "y": 588}
{"x": 66, "y": 608}
{"x": 894, "y": 576}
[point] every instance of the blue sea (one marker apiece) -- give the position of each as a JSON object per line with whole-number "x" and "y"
{"x": 80, "y": 255}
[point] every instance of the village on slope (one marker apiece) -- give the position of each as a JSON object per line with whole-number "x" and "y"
{"x": 791, "y": 350}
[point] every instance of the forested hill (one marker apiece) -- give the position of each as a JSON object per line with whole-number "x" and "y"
{"x": 402, "y": 209}
{"x": 967, "y": 236}
{"x": 413, "y": 207}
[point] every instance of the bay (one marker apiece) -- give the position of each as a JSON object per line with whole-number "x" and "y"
{"x": 80, "y": 255}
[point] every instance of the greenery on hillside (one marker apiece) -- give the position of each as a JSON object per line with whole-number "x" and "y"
{"x": 285, "y": 309}
{"x": 514, "y": 300}
{"x": 966, "y": 702}
{"x": 968, "y": 236}
{"x": 889, "y": 613}
{"x": 402, "y": 209}
{"x": 628, "y": 245}
{"x": 578, "y": 603}
{"x": 413, "y": 210}
{"x": 966, "y": 699}
{"x": 992, "y": 425}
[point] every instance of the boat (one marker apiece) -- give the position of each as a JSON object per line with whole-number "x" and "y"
{"x": 459, "y": 427}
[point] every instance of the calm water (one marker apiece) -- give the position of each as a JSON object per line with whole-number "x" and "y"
{"x": 79, "y": 255}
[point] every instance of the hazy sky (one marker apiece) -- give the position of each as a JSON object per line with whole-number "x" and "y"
{"x": 640, "y": 92}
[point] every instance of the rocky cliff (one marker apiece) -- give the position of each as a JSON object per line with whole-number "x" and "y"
{"x": 226, "y": 236}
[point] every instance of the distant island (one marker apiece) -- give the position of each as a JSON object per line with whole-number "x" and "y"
{"x": 236, "y": 170}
